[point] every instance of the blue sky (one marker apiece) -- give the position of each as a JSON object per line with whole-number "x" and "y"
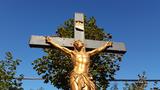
{"x": 135, "y": 22}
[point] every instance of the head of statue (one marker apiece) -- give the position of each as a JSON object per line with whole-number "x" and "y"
{"x": 78, "y": 44}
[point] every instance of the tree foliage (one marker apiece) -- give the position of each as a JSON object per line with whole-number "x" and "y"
{"x": 141, "y": 84}
{"x": 55, "y": 66}
{"x": 114, "y": 87}
{"x": 155, "y": 87}
{"x": 8, "y": 68}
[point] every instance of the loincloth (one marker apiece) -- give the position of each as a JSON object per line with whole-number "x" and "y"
{"x": 82, "y": 80}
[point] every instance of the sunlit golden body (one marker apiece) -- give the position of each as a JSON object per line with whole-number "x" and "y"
{"x": 80, "y": 79}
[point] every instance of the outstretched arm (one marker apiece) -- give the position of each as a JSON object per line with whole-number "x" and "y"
{"x": 50, "y": 41}
{"x": 97, "y": 50}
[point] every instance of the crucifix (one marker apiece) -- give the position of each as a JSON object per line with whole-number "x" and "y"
{"x": 39, "y": 41}
{"x": 80, "y": 79}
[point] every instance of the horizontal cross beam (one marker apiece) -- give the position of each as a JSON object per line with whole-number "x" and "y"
{"x": 39, "y": 42}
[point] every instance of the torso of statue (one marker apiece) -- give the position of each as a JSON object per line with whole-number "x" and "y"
{"x": 81, "y": 62}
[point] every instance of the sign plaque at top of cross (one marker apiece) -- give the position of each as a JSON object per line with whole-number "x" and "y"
{"x": 40, "y": 41}
{"x": 79, "y": 27}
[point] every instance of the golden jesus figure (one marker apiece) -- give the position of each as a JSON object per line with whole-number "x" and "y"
{"x": 80, "y": 79}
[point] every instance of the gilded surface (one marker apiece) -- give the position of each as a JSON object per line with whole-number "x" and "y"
{"x": 80, "y": 78}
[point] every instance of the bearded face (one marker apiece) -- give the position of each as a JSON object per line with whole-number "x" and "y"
{"x": 78, "y": 45}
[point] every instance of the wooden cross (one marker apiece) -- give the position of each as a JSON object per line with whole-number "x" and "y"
{"x": 40, "y": 41}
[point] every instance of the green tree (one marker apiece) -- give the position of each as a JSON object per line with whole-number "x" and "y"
{"x": 7, "y": 73}
{"x": 155, "y": 87}
{"x": 55, "y": 66}
{"x": 141, "y": 84}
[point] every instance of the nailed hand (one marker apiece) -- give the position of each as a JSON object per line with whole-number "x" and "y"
{"x": 48, "y": 39}
{"x": 110, "y": 44}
